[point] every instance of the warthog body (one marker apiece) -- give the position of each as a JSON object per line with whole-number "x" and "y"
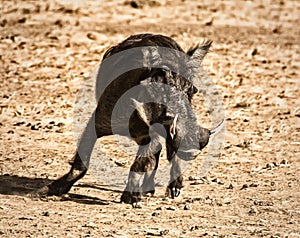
{"x": 156, "y": 76}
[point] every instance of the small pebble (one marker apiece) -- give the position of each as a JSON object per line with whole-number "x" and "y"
{"x": 208, "y": 201}
{"x": 22, "y": 20}
{"x": 34, "y": 128}
{"x": 284, "y": 162}
{"x": 172, "y": 208}
{"x": 252, "y": 210}
{"x": 197, "y": 182}
{"x": 134, "y": 4}
{"x": 270, "y": 166}
{"x": 46, "y": 214}
{"x": 91, "y": 36}
{"x": 192, "y": 228}
{"x": 90, "y": 224}
{"x": 164, "y": 232}
{"x": 187, "y": 207}
{"x": 192, "y": 178}
{"x": 244, "y": 186}
{"x": 230, "y": 186}
{"x": 254, "y": 52}
{"x": 272, "y": 183}
{"x": 19, "y": 123}
{"x": 60, "y": 124}
{"x": 137, "y": 205}
{"x": 217, "y": 180}
{"x": 255, "y": 184}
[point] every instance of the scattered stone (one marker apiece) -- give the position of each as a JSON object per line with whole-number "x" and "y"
{"x": 272, "y": 183}
{"x": 121, "y": 164}
{"x": 172, "y": 208}
{"x": 27, "y": 218}
{"x": 164, "y": 232}
{"x": 192, "y": 178}
{"x": 155, "y": 214}
{"x": 187, "y": 207}
{"x": 209, "y": 22}
{"x": 197, "y": 182}
{"x": 208, "y": 200}
{"x": 230, "y": 186}
{"x": 137, "y": 205}
{"x": 243, "y": 145}
{"x": 134, "y": 4}
{"x": 34, "y": 128}
{"x": 19, "y": 123}
{"x": 270, "y": 166}
{"x": 227, "y": 201}
{"x": 46, "y": 214}
{"x": 217, "y": 180}
{"x": 22, "y": 20}
{"x": 193, "y": 228}
{"x": 90, "y": 224}
{"x": 58, "y": 23}
{"x": 244, "y": 186}
{"x": 157, "y": 232}
{"x": 60, "y": 124}
{"x": 263, "y": 203}
{"x": 91, "y": 36}
{"x": 276, "y": 30}
{"x": 252, "y": 210}
{"x": 241, "y": 105}
{"x": 254, "y": 52}
{"x": 49, "y": 127}
{"x": 255, "y": 184}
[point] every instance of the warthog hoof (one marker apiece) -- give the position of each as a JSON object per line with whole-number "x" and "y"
{"x": 175, "y": 192}
{"x": 131, "y": 197}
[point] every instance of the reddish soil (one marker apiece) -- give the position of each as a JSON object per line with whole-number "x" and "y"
{"x": 48, "y": 49}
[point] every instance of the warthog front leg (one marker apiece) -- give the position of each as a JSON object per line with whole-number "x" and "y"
{"x": 176, "y": 178}
{"x": 149, "y": 183}
{"x": 145, "y": 165}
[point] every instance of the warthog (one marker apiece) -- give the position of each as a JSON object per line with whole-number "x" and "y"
{"x": 144, "y": 90}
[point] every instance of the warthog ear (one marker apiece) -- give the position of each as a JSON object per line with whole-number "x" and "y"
{"x": 141, "y": 111}
{"x": 199, "y": 51}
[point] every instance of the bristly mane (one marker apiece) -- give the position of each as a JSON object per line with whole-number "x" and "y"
{"x": 205, "y": 45}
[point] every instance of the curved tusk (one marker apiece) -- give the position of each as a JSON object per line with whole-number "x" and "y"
{"x": 217, "y": 129}
{"x": 175, "y": 122}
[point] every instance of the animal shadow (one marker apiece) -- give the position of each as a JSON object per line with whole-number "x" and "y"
{"x": 25, "y": 186}
{"x": 22, "y": 186}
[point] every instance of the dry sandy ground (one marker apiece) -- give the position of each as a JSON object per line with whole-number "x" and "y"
{"x": 49, "y": 48}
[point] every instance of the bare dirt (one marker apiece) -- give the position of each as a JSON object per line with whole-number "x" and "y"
{"x": 49, "y": 48}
